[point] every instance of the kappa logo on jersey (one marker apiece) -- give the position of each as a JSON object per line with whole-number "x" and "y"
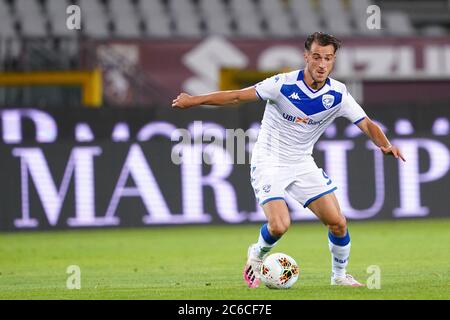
{"x": 294, "y": 96}
{"x": 327, "y": 100}
{"x": 290, "y": 118}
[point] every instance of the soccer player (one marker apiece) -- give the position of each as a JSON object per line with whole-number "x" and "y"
{"x": 300, "y": 105}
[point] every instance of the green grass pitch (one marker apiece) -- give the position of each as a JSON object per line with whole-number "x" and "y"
{"x": 205, "y": 262}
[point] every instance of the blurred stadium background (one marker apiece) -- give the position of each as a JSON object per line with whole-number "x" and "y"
{"x": 86, "y": 119}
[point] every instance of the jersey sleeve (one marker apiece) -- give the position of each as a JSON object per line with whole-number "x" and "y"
{"x": 350, "y": 109}
{"x": 269, "y": 89}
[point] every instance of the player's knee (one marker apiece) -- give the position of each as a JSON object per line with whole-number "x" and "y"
{"x": 338, "y": 227}
{"x": 279, "y": 227}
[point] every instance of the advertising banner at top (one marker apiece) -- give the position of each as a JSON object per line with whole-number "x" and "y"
{"x": 379, "y": 70}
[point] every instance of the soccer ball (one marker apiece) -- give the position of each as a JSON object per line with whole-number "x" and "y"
{"x": 279, "y": 271}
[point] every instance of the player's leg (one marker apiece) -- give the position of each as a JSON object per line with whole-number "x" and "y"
{"x": 327, "y": 209}
{"x": 278, "y": 222}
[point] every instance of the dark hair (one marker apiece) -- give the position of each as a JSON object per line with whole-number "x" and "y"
{"x": 322, "y": 39}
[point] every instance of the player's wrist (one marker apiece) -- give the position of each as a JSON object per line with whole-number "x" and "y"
{"x": 386, "y": 149}
{"x": 196, "y": 101}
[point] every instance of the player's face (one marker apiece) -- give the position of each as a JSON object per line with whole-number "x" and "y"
{"x": 320, "y": 61}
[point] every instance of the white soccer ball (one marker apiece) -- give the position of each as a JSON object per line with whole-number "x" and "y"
{"x": 279, "y": 271}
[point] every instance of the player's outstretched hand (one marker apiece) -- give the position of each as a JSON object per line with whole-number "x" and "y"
{"x": 394, "y": 151}
{"x": 183, "y": 101}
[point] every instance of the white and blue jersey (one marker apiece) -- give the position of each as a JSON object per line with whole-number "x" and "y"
{"x": 296, "y": 116}
{"x": 294, "y": 119}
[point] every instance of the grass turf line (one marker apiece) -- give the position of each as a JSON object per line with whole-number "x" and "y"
{"x": 205, "y": 262}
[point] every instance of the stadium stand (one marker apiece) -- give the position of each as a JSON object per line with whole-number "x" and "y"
{"x": 123, "y": 15}
{"x": 155, "y": 18}
{"x": 340, "y": 24}
{"x": 244, "y": 18}
{"x": 7, "y": 28}
{"x": 276, "y": 15}
{"x": 96, "y": 22}
{"x": 56, "y": 13}
{"x": 217, "y": 22}
{"x": 185, "y": 15}
{"x": 34, "y": 33}
{"x": 31, "y": 17}
{"x": 247, "y": 17}
{"x": 358, "y": 11}
{"x": 308, "y": 21}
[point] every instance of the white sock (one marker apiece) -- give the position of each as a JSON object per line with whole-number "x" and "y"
{"x": 262, "y": 246}
{"x": 340, "y": 253}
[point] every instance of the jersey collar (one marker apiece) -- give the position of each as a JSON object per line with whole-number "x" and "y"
{"x": 300, "y": 77}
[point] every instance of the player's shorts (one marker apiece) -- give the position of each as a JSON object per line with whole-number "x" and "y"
{"x": 305, "y": 183}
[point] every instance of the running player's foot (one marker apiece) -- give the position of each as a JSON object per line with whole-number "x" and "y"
{"x": 346, "y": 280}
{"x": 252, "y": 268}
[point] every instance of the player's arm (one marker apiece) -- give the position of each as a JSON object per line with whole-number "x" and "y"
{"x": 374, "y": 132}
{"x": 220, "y": 98}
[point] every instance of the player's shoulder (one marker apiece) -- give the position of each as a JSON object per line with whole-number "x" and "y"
{"x": 286, "y": 77}
{"x": 337, "y": 85}
{"x": 291, "y": 77}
